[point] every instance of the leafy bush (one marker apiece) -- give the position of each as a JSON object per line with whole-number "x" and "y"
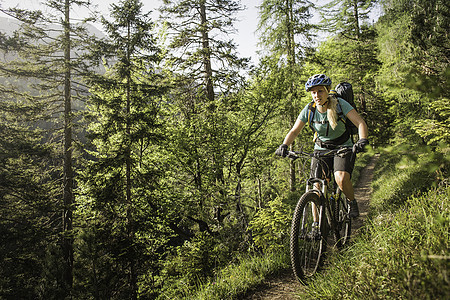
{"x": 270, "y": 226}
{"x": 192, "y": 262}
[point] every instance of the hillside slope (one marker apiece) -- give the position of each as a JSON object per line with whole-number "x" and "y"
{"x": 286, "y": 285}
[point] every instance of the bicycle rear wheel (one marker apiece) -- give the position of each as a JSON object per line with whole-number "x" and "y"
{"x": 343, "y": 220}
{"x": 306, "y": 245}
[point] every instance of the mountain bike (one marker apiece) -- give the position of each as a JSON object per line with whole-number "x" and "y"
{"x": 318, "y": 212}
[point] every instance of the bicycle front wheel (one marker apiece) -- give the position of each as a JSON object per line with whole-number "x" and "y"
{"x": 307, "y": 244}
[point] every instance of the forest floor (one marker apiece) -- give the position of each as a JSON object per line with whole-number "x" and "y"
{"x": 285, "y": 285}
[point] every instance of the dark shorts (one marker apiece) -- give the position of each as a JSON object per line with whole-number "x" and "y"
{"x": 333, "y": 163}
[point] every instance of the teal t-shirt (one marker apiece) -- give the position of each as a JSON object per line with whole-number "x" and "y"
{"x": 323, "y": 127}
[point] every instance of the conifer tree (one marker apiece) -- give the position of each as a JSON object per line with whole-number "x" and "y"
{"x": 46, "y": 59}
{"x": 28, "y": 195}
{"x": 125, "y": 228}
{"x": 286, "y": 33}
{"x": 48, "y": 73}
{"x": 208, "y": 67}
{"x": 347, "y": 20}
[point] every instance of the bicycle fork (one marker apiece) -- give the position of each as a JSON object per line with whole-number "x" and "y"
{"x": 319, "y": 186}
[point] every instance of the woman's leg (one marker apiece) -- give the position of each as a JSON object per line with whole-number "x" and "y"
{"x": 343, "y": 179}
{"x": 345, "y": 184}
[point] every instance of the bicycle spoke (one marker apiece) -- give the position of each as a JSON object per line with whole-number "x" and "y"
{"x": 307, "y": 243}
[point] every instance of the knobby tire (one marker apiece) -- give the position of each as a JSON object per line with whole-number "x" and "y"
{"x": 306, "y": 251}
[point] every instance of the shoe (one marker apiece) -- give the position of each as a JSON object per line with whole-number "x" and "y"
{"x": 354, "y": 210}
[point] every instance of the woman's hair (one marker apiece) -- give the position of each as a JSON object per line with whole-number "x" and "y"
{"x": 331, "y": 111}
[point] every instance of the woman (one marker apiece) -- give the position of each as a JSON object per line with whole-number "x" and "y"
{"x": 330, "y": 128}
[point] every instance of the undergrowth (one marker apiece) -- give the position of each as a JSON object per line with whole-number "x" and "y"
{"x": 402, "y": 255}
{"x": 238, "y": 279}
{"x": 403, "y": 251}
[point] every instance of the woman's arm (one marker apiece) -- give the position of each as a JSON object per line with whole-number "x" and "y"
{"x": 290, "y": 137}
{"x": 356, "y": 119}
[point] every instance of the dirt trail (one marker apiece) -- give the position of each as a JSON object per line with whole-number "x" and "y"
{"x": 286, "y": 285}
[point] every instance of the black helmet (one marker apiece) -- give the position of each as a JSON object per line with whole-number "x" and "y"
{"x": 318, "y": 79}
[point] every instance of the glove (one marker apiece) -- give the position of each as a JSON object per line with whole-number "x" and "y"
{"x": 360, "y": 145}
{"x": 282, "y": 150}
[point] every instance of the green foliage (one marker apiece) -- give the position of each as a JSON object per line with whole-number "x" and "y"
{"x": 283, "y": 24}
{"x": 270, "y": 226}
{"x": 402, "y": 255}
{"x": 236, "y": 280}
{"x": 415, "y": 68}
{"x": 436, "y": 129}
{"x": 29, "y": 198}
{"x": 121, "y": 206}
{"x": 201, "y": 50}
{"x": 192, "y": 262}
{"x": 199, "y": 260}
{"x": 29, "y": 228}
{"x": 36, "y": 95}
{"x": 346, "y": 17}
{"x": 403, "y": 172}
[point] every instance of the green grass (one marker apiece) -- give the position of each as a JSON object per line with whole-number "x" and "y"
{"x": 362, "y": 160}
{"x": 402, "y": 255}
{"x": 238, "y": 279}
{"x": 403, "y": 252}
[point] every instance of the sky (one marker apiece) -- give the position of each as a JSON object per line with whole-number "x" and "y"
{"x": 246, "y": 39}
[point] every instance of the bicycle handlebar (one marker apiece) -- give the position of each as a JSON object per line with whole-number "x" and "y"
{"x": 341, "y": 150}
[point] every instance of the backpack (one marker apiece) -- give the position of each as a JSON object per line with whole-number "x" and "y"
{"x": 343, "y": 90}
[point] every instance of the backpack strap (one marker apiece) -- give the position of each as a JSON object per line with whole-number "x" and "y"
{"x": 332, "y": 144}
{"x": 339, "y": 111}
{"x": 311, "y": 112}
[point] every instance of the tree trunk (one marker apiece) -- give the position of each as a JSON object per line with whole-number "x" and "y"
{"x": 129, "y": 201}
{"x": 206, "y": 54}
{"x": 356, "y": 16}
{"x": 68, "y": 172}
{"x": 291, "y": 63}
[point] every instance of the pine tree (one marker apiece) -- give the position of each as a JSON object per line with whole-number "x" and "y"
{"x": 120, "y": 184}
{"x": 46, "y": 60}
{"x": 208, "y": 69}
